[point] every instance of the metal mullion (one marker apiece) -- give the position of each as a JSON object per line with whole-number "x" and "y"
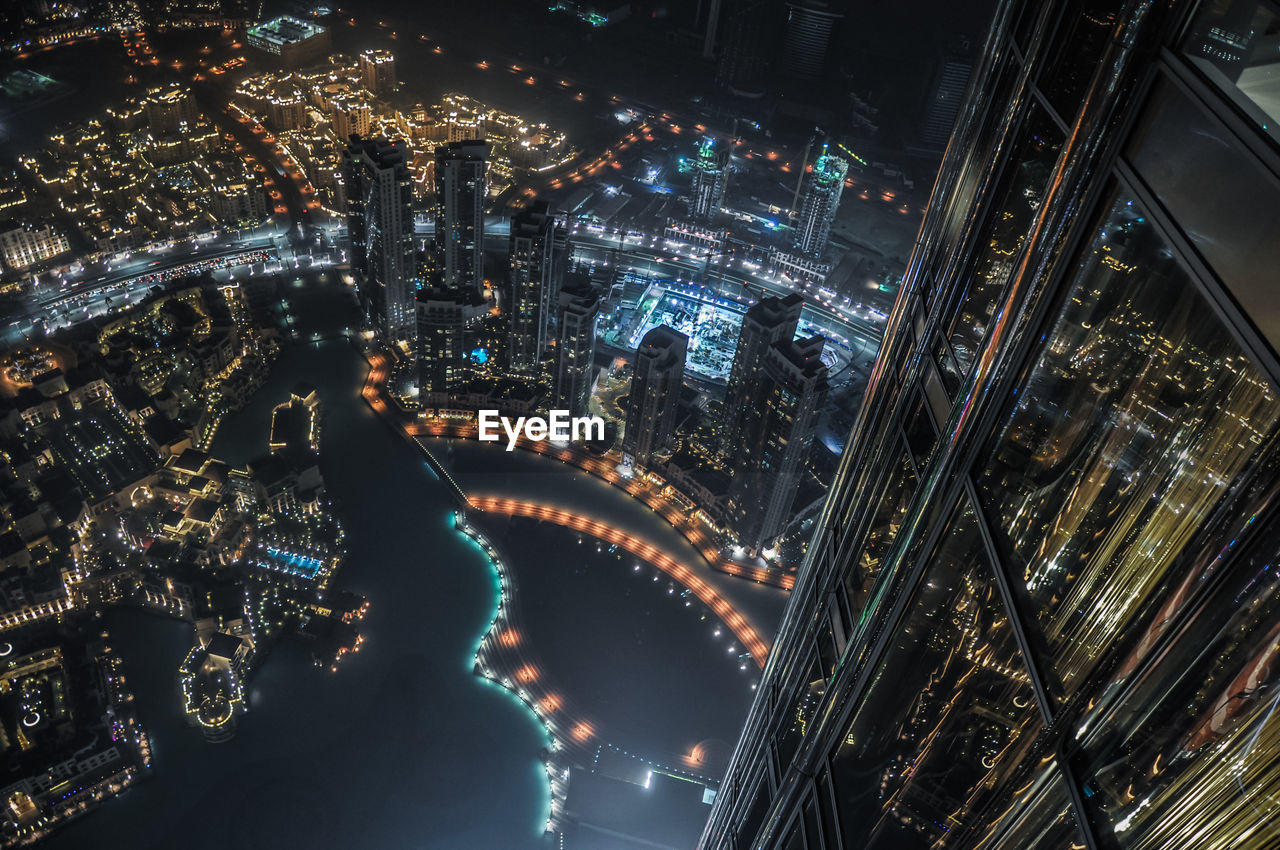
{"x": 1083, "y": 821}
{"x": 1221, "y": 105}
{"x": 1017, "y": 616}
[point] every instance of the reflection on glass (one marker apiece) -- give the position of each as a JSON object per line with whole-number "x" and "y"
{"x": 950, "y": 713}
{"x": 802, "y": 706}
{"x": 1078, "y": 46}
{"x": 918, "y": 426}
{"x": 1022, "y": 189}
{"x": 947, "y": 368}
{"x": 1192, "y": 757}
{"x": 1042, "y": 819}
{"x": 890, "y": 511}
{"x": 1128, "y": 432}
{"x": 1225, "y": 201}
{"x": 1236, "y": 44}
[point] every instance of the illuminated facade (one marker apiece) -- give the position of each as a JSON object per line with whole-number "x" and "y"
{"x": 821, "y": 200}
{"x": 531, "y": 286}
{"x": 710, "y": 173}
{"x": 1040, "y": 608}
{"x": 654, "y": 402}
{"x": 768, "y": 321}
{"x": 575, "y": 346}
{"x": 779, "y": 421}
{"x": 290, "y": 41}
{"x": 380, "y": 224}
{"x": 378, "y": 72}
{"x": 25, "y": 246}
{"x": 461, "y": 170}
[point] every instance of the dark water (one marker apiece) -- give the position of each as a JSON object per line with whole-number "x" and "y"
{"x": 403, "y": 747}
{"x": 632, "y": 655}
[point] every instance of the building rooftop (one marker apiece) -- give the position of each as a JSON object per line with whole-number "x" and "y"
{"x": 285, "y": 30}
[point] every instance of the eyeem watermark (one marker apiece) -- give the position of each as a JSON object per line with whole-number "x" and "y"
{"x": 560, "y": 427}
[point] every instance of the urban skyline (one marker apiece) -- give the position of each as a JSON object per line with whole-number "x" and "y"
{"x": 927, "y": 498}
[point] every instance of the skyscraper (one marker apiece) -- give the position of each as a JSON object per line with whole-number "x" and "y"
{"x": 710, "y": 174}
{"x": 1039, "y": 609}
{"x": 461, "y": 170}
{"x": 380, "y": 224}
{"x": 448, "y": 346}
{"x": 821, "y": 200}
{"x": 946, "y": 93}
{"x": 654, "y": 402}
{"x": 378, "y": 72}
{"x": 786, "y": 400}
{"x": 451, "y": 309}
{"x": 575, "y": 346}
{"x": 531, "y": 286}
{"x": 748, "y": 44}
{"x": 768, "y": 321}
{"x": 809, "y": 27}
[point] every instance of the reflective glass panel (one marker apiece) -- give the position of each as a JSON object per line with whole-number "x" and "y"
{"x": 1225, "y": 202}
{"x": 890, "y": 511}
{"x": 801, "y": 707}
{"x": 1125, "y": 438}
{"x": 1236, "y": 44}
{"x": 947, "y": 717}
{"x": 1076, "y": 48}
{"x": 1022, "y": 189}
{"x": 1191, "y": 758}
{"x": 1041, "y": 818}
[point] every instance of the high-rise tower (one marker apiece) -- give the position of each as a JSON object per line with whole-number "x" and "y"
{"x": 654, "y": 402}
{"x": 451, "y": 309}
{"x": 769, "y": 321}
{"x": 1040, "y": 606}
{"x": 710, "y": 174}
{"x": 461, "y": 172}
{"x": 380, "y": 225}
{"x": 575, "y": 346}
{"x": 786, "y": 400}
{"x": 531, "y": 286}
{"x": 821, "y": 200}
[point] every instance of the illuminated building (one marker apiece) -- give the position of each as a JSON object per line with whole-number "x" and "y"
{"x": 240, "y": 202}
{"x": 710, "y": 173}
{"x": 531, "y": 286}
{"x": 351, "y": 115}
{"x": 461, "y": 170}
{"x": 448, "y": 338}
{"x": 292, "y": 42}
{"x": 1040, "y": 607}
{"x": 821, "y": 200}
{"x": 785, "y": 401}
{"x": 295, "y": 424}
{"x": 575, "y": 346}
{"x": 25, "y": 245}
{"x": 380, "y": 224}
{"x": 378, "y": 72}
{"x": 654, "y": 402}
{"x": 452, "y": 310}
{"x": 769, "y": 321}
{"x": 170, "y": 109}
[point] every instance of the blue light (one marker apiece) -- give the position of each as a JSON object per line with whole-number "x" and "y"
{"x": 479, "y": 355}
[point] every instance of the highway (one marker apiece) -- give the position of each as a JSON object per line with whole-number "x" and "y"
{"x": 79, "y": 293}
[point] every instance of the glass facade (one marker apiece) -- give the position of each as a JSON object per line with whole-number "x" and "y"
{"x": 1042, "y": 605}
